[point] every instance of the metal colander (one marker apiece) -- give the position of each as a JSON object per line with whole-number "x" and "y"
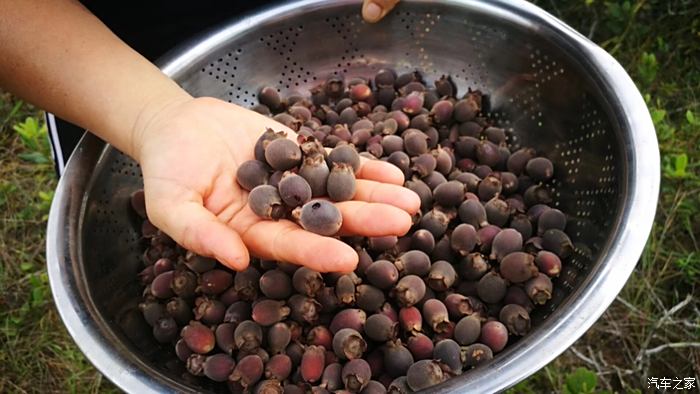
{"x": 551, "y": 88}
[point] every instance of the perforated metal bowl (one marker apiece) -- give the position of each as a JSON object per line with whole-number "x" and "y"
{"x": 550, "y": 87}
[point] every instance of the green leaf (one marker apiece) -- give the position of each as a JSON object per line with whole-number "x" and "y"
{"x": 675, "y": 166}
{"x": 647, "y": 68}
{"x": 690, "y": 117}
{"x": 658, "y": 115}
{"x": 581, "y": 381}
{"x": 34, "y": 157}
{"x": 26, "y": 266}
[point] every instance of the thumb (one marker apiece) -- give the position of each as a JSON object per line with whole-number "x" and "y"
{"x": 197, "y": 229}
{"x": 375, "y": 10}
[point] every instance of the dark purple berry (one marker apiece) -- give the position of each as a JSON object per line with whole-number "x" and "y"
{"x": 424, "y": 192}
{"x": 423, "y": 240}
{"x": 268, "y": 386}
{"x": 413, "y": 262}
{"x": 294, "y": 190}
{"x": 548, "y": 263}
{"x": 198, "y": 337}
{"x": 441, "y": 111}
{"x": 551, "y": 219}
{"x": 199, "y": 264}
{"x": 516, "y": 295}
{"x": 180, "y": 310}
{"x": 448, "y": 353}
{"x": 497, "y": 212}
{"x": 540, "y": 169}
{"x": 345, "y": 290}
{"x": 332, "y": 378}
{"x": 505, "y": 242}
{"x": 320, "y": 217}
{"x": 315, "y": 170}
{"x": 435, "y": 221}
{"x": 399, "y": 386}
{"x": 356, "y": 374}
{"x": 487, "y": 153}
{"x": 420, "y": 346}
{"x": 374, "y": 387}
{"x": 269, "y": 97}
{"x": 209, "y": 311}
{"x": 491, "y": 288}
{"x": 165, "y": 330}
{"x": 555, "y": 241}
{"x": 307, "y": 281}
{"x": 473, "y": 266}
{"x": 424, "y": 374}
{"x": 397, "y": 358}
{"x": 380, "y": 328}
{"x": 369, "y": 298}
{"x": 182, "y": 351}
{"x": 476, "y": 354}
{"x": 489, "y": 188}
{"x": 348, "y": 318}
{"x": 467, "y": 330}
{"x": 519, "y": 159}
{"x": 265, "y": 201}
{"x": 304, "y": 309}
{"x": 237, "y": 312}
{"x": 248, "y": 371}
{"x": 218, "y": 367}
{"x": 486, "y": 235}
{"x": 494, "y": 335}
{"x": 269, "y": 312}
{"x": 252, "y": 173}
{"x": 161, "y": 285}
{"x": 248, "y": 336}
{"x": 518, "y": 267}
{"x": 215, "y": 281}
{"x": 516, "y": 319}
{"x": 382, "y": 274}
{"x": 537, "y": 194}
{"x": 435, "y": 313}
{"x": 463, "y": 239}
{"x": 224, "y": 337}
{"x": 522, "y": 224}
{"x": 442, "y": 276}
{"x": 409, "y": 290}
{"x": 449, "y": 194}
{"x": 278, "y": 337}
{"x": 473, "y": 212}
{"x": 282, "y": 154}
{"x": 539, "y": 289}
{"x": 341, "y": 184}
{"x": 348, "y": 344}
{"x": 276, "y": 284}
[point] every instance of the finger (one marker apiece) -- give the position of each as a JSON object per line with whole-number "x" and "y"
{"x": 373, "y": 219}
{"x": 198, "y": 230}
{"x": 286, "y": 241}
{"x": 385, "y": 193}
{"x": 380, "y": 171}
{"x": 375, "y": 10}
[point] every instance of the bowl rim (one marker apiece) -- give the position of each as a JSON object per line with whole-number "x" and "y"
{"x": 617, "y": 260}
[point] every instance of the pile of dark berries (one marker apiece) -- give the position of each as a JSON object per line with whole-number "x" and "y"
{"x": 286, "y": 180}
{"x": 419, "y": 309}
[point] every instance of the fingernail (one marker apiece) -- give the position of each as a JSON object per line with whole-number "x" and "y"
{"x": 372, "y": 12}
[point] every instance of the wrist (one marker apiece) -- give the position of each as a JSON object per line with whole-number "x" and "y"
{"x": 155, "y": 108}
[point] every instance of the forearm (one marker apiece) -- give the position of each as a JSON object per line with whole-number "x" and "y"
{"x": 57, "y": 55}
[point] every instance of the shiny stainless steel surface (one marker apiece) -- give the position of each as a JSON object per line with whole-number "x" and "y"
{"x": 551, "y": 87}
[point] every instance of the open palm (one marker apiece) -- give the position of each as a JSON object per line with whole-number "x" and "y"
{"x": 190, "y": 153}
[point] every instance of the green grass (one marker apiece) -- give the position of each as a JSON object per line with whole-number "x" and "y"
{"x": 37, "y": 354}
{"x": 652, "y": 330}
